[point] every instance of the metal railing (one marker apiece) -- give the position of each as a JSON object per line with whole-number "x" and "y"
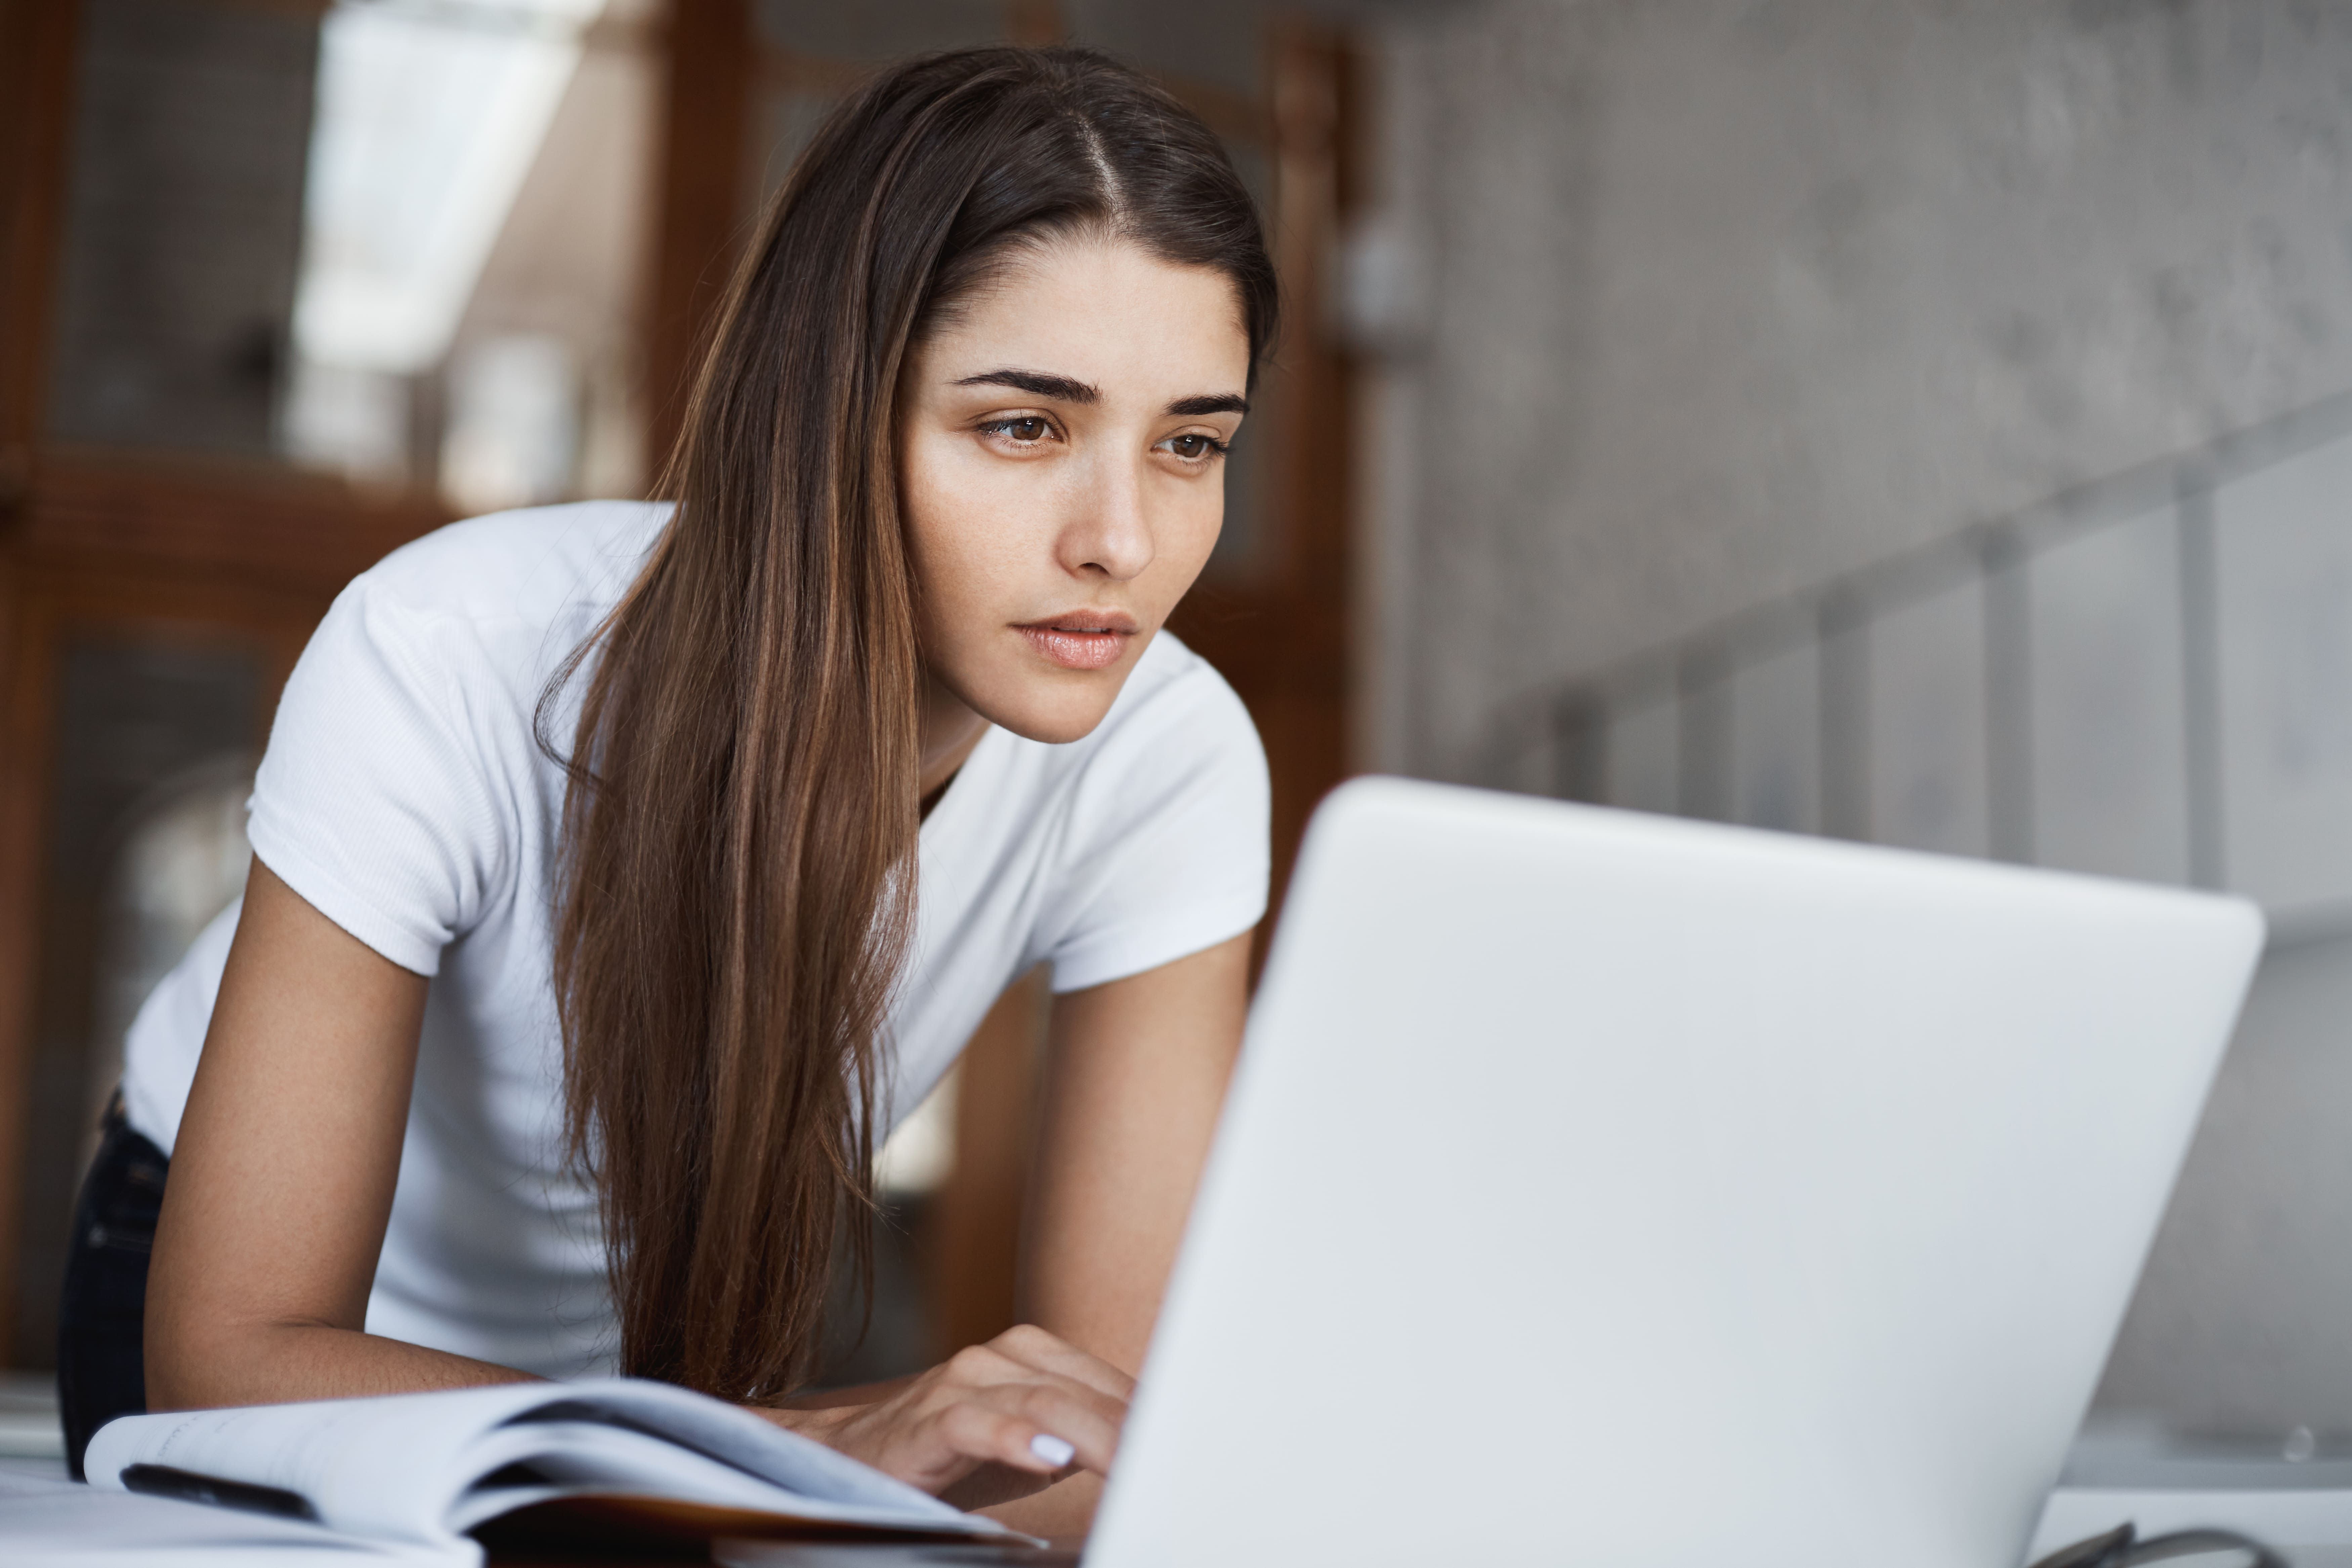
{"x": 2149, "y": 675}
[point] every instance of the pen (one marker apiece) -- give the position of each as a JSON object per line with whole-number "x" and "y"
{"x": 164, "y": 1480}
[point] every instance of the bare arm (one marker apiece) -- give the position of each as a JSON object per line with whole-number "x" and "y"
{"x": 281, "y": 1187}
{"x": 1136, "y": 1075}
{"x": 281, "y": 1182}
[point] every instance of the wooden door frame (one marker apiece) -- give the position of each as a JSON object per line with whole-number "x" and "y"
{"x": 712, "y": 61}
{"x": 37, "y": 57}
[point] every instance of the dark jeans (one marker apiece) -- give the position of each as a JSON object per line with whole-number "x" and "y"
{"x": 101, "y": 1355}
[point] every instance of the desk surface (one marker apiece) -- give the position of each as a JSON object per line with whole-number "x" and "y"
{"x": 795, "y": 1555}
{"x": 74, "y": 1523}
{"x": 791, "y": 1554}
{"x": 958, "y": 1554}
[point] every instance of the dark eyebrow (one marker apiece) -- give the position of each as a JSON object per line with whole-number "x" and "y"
{"x": 1224, "y": 402}
{"x": 1037, "y": 382}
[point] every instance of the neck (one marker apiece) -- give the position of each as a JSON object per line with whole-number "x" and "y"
{"x": 950, "y": 729}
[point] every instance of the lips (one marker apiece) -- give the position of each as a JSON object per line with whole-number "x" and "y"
{"x": 1084, "y": 640}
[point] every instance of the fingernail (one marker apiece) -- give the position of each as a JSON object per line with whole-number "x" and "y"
{"x": 1052, "y": 1449}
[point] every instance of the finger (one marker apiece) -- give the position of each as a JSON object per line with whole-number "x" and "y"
{"x": 1041, "y": 1428}
{"x": 977, "y": 1367}
{"x": 1067, "y": 1423}
{"x": 1037, "y": 1429}
{"x": 981, "y": 1366}
{"x": 1058, "y": 1402}
{"x": 978, "y": 1434}
{"x": 1034, "y": 1347}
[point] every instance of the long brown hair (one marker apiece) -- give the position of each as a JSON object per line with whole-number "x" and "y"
{"x": 736, "y": 885}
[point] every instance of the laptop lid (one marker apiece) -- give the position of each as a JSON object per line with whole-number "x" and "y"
{"x": 1602, "y": 1188}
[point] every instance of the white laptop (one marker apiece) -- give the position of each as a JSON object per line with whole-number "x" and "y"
{"x": 1605, "y": 1189}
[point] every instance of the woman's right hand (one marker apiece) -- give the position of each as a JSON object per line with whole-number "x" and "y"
{"x": 993, "y": 1423}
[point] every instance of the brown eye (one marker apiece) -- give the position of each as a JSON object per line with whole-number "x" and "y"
{"x": 1192, "y": 449}
{"x": 1027, "y": 428}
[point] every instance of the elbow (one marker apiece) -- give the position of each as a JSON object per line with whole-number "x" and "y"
{"x": 191, "y": 1357}
{"x": 205, "y": 1345}
{"x": 197, "y": 1360}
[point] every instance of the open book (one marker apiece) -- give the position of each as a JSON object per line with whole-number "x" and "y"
{"x": 415, "y": 1474}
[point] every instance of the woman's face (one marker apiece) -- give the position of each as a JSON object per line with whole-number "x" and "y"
{"x": 1063, "y": 447}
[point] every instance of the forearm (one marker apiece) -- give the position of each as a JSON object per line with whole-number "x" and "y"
{"x": 278, "y": 1363}
{"x": 1137, "y": 1076}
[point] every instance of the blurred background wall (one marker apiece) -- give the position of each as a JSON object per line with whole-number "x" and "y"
{"x": 1928, "y": 423}
{"x": 1702, "y": 301}
{"x": 1924, "y": 423}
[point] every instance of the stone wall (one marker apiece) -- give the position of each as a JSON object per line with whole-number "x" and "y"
{"x": 1683, "y": 304}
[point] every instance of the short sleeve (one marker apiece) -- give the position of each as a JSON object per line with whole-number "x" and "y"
{"x": 1165, "y": 848}
{"x": 374, "y": 800}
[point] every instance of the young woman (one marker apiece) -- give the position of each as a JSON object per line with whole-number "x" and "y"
{"x": 622, "y": 872}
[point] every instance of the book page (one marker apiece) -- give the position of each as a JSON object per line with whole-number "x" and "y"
{"x": 44, "y": 1523}
{"x": 539, "y": 1461}
{"x": 798, "y": 1464}
{"x": 410, "y": 1468}
{"x": 387, "y": 1467}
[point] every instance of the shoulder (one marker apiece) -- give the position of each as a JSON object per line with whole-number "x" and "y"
{"x": 491, "y": 603}
{"x": 521, "y": 567}
{"x": 403, "y": 787}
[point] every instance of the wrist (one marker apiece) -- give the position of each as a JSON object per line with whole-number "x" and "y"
{"x": 820, "y": 1423}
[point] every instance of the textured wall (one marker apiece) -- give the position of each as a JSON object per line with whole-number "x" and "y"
{"x": 1687, "y": 303}
{"x": 1678, "y": 306}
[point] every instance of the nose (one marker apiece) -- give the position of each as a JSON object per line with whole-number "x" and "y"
{"x": 1109, "y": 533}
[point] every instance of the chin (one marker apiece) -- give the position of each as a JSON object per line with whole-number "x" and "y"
{"x": 1054, "y": 718}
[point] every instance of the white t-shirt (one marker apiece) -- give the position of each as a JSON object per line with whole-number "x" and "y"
{"x": 403, "y": 794}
